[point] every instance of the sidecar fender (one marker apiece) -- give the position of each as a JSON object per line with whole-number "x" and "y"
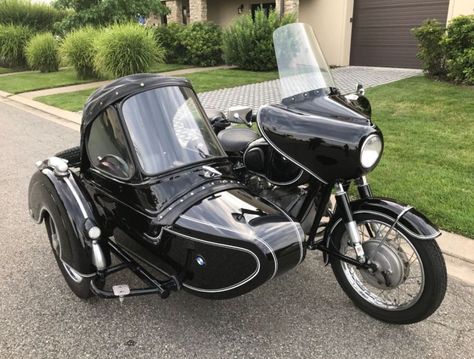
{"x": 61, "y": 195}
{"x": 409, "y": 219}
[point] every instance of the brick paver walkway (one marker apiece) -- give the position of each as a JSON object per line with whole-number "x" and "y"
{"x": 259, "y": 94}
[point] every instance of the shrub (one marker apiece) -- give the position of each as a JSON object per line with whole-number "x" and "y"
{"x": 42, "y": 53}
{"x": 126, "y": 49}
{"x": 12, "y": 43}
{"x": 203, "y": 44}
{"x": 248, "y": 43}
{"x": 430, "y": 49}
{"x": 169, "y": 38}
{"x": 447, "y": 51}
{"x": 79, "y": 51}
{"x": 39, "y": 17}
{"x": 459, "y": 47}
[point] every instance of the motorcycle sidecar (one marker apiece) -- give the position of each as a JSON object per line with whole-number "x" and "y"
{"x": 152, "y": 185}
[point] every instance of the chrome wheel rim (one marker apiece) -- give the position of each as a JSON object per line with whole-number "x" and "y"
{"x": 56, "y": 246}
{"x": 408, "y": 290}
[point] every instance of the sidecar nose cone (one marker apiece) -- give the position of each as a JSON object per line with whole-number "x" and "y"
{"x": 244, "y": 240}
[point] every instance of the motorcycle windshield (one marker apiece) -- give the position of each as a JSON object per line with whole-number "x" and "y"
{"x": 168, "y": 130}
{"x": 301, "y": 64}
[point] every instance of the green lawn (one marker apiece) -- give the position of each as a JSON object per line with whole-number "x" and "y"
{"x": 428, "y": 159}
{"x": 30, "y": 81}
{"x": 5, "y": 70}
{"x": 202, "y": 81}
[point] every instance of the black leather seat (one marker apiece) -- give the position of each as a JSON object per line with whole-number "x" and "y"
{"x": 236, "y": 139}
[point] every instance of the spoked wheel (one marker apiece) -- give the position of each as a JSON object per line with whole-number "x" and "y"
{"x": 79, "y": 284}
{"x": 408, "y": 280}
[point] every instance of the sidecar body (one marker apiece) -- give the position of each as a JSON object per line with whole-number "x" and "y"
{"x": 152, "y": 179}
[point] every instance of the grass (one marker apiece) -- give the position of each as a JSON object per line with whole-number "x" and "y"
{"x": 31, "y": 81}
{"x": 202, "y": 81}
{"x": 5, "y": 70}
{"x": 428, "y": 159}
{"x": 219, "y": 79}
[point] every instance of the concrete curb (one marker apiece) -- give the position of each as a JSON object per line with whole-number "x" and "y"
{"x": 50, "y": 110}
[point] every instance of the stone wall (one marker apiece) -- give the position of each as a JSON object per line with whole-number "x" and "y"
{"x": 198, "y": 10}
{"x": 176, "y": 14}
{"x": 289, "y": 6}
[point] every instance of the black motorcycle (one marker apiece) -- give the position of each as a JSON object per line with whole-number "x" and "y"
{"x": 217, "y": 216}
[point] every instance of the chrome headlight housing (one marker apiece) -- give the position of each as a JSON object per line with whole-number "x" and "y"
{"x": 371, "y": 151}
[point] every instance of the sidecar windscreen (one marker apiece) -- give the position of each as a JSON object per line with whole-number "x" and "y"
{"x": 168, "y": 129}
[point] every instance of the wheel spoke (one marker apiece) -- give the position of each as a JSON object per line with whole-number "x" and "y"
{"x": 403, "y": 295}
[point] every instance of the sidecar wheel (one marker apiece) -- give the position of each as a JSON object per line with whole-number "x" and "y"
{"x": 410, "y": 281}
{"x": 79, "y": 284}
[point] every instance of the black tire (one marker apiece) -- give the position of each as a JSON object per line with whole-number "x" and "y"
{"x": 79, "y": 285}
{"x": 72, "y": 155}
{"x": 430, "y": 295}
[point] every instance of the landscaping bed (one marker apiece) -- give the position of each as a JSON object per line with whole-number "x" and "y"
{"x": 202, "y": 82}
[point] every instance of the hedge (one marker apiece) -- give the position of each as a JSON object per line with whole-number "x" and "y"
{"x": 126, "y": 49}
{"x": 447, "y": 52}
{"x": 248, "y": 42}
{"x": 38, "y": 17}
{"x": 42, "y": 53}
{"x": 13, "y": 40}
{"x": 79, "y": 51}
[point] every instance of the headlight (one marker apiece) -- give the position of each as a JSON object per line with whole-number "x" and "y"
{"x": 371, "y": 150}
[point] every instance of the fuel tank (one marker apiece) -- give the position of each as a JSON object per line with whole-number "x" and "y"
{"x": 321, "y": 134}
{"x": 225, "y": 245}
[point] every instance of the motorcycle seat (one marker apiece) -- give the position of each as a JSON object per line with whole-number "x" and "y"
{"x": 236, "y": 139}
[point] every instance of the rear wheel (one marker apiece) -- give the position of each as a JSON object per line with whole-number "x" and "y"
{"x": 408, "y": 281}
{"x": 78, "y": 283}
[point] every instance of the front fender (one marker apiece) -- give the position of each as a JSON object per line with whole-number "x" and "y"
{"x": 63, "y": 196}
{"x": 414, "y": 222}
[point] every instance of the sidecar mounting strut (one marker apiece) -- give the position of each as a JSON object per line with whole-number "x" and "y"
{"x": 155, "y": 286}
{"x": 321, "y": 247}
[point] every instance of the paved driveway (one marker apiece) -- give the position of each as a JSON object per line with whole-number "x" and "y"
{"x": 346, "y": 79}
{"x": 303, "y": 314}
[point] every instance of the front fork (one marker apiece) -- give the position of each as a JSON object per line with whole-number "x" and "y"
{"x": 343, "y": 204}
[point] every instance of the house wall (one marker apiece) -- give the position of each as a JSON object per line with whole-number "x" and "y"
{"x": 330, "y": 20}
{"x": 224, "y": 12}
{"x": 460, "y": 7}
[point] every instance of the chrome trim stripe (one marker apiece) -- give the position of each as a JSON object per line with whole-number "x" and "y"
{"x": 234, "y": 231}
{"x": 282, "y": 153}
{"x": 76, "y": 196}
{"x": 252, "y": 276}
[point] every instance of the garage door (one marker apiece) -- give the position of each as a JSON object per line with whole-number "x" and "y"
{"x": 381, "y": 33}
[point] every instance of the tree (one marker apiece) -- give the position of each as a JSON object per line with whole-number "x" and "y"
{"x": 104, "y": 12}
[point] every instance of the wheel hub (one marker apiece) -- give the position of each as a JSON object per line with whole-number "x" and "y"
{"x": 388, "y": 269}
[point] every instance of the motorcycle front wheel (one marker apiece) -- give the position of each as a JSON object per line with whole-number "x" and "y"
{"x": 408, "y": 280}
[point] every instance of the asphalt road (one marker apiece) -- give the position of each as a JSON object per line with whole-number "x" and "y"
{"x": 302, "y": 314}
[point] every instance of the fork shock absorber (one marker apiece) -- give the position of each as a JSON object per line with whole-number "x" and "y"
{"x": 363, "y": 187}
{"x": 343, "y": 204}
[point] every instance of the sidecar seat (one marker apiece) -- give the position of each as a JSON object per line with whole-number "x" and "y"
{"x": 237, "y": 139}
